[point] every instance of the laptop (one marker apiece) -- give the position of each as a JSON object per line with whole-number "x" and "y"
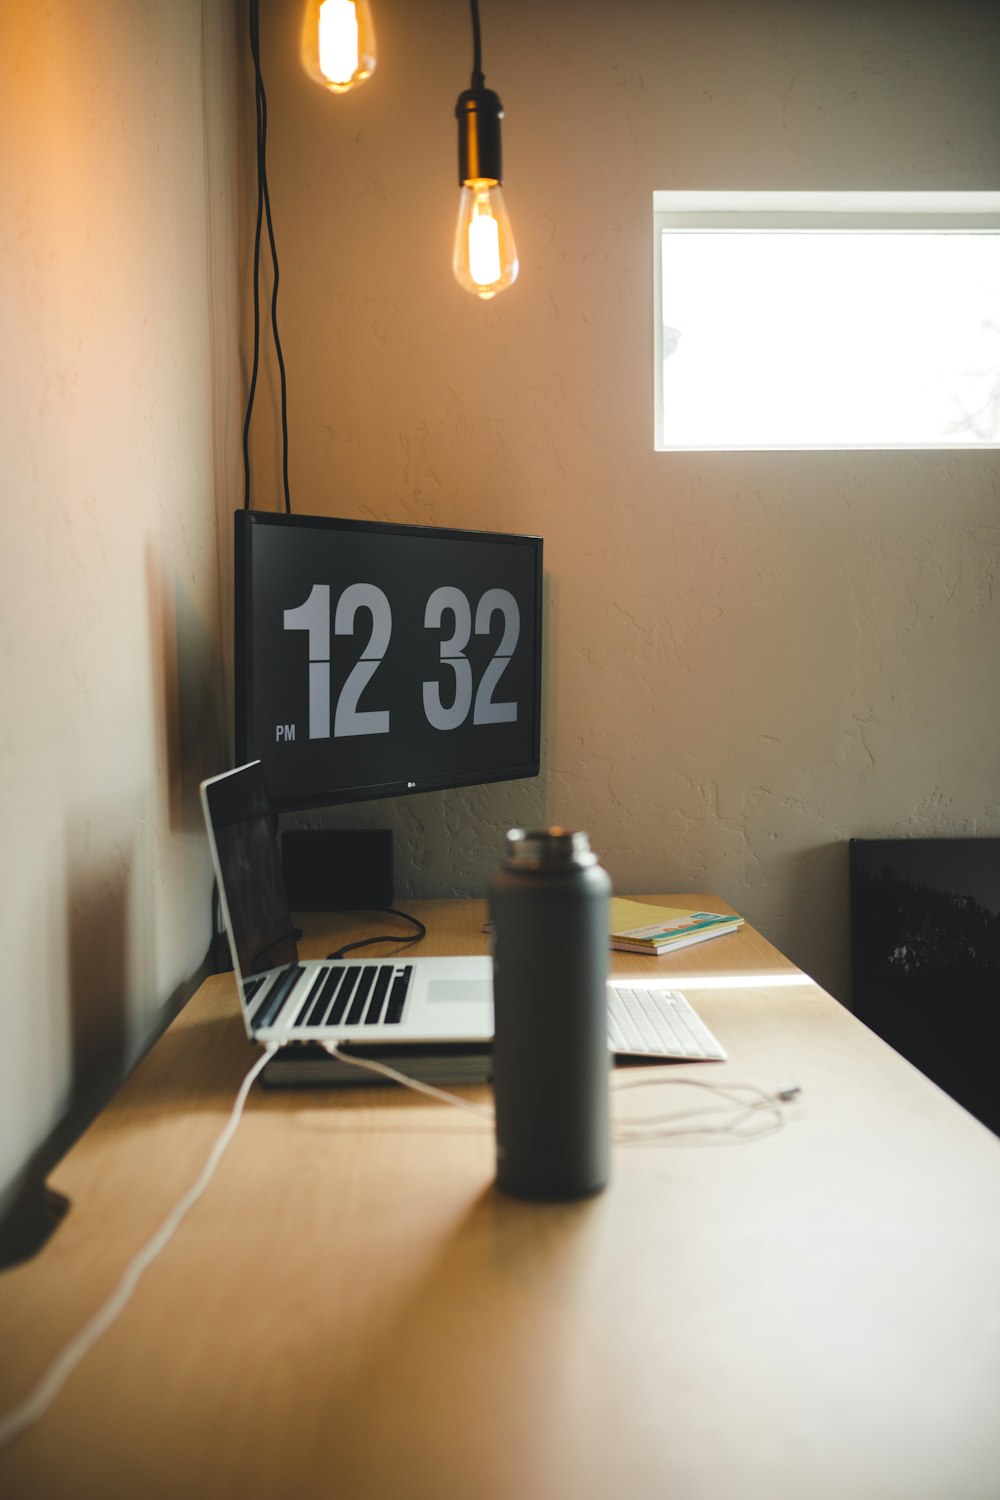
{"x": 392, "y": 1002}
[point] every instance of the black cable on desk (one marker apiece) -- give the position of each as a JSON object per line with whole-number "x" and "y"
{"x": 390, "y": 911}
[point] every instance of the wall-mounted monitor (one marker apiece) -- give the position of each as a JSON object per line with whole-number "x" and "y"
{"x": 374, "y": 659}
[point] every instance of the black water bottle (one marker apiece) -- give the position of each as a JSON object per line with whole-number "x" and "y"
{"x": 551, "y": 1063}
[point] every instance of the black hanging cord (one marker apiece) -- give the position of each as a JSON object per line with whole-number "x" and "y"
{"x": 263, "y": 215}
{"x": 389, "y": 911}
{"x": 478, "y": 77}
{"x": 252, "y": 388}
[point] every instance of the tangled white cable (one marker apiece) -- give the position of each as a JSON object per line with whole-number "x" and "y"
{"x": 747, "y": 1112}
{"x": 751, "y": 1111}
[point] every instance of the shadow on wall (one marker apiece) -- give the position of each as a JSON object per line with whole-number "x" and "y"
{"x": 129, "y": 885}
{"x": 97, "y": 897}
{"x": 186, "y": 674}
{"x": 817, "y": 888}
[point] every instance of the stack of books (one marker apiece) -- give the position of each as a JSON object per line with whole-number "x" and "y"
{"x": 637, "y": 928}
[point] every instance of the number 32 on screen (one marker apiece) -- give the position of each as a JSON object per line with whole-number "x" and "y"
{"x": 313, "y": 616}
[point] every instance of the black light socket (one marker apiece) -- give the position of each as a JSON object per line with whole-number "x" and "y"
{"x": 480, "y": 155}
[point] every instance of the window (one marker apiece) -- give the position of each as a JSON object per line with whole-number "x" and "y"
{"x": 827, "y": 320}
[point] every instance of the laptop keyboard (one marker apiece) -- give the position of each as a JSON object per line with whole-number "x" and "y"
{"x": 655, "y": 1022}
{"x": 340, "y": 995}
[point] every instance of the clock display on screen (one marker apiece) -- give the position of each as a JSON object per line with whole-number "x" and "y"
{"x": 374, "y": 659}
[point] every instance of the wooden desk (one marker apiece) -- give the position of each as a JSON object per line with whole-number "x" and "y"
{"x": 353, "y": 1311}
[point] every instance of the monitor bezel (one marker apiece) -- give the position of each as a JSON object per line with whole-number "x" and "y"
{"x": 245, "y": 522}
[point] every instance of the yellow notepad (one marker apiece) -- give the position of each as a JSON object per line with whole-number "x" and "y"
{"x": 638, "y": 928}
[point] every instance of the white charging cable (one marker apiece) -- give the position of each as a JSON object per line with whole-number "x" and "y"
{"x": 384, "y": 1071}
{"x": 748, "y": 1111}
{"x": 38, "y": 1401}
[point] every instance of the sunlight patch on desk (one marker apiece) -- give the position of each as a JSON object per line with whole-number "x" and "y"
{"x": 741, "y": 981}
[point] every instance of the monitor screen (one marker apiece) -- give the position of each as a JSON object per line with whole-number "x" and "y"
{"x": 375, "y": 659}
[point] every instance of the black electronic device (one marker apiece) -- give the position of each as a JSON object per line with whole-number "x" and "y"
{"x": 337, "y": 869}
{"x": 375, "y": 659}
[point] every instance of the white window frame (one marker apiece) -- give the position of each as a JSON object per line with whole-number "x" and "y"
{"x": 879, "y": 211}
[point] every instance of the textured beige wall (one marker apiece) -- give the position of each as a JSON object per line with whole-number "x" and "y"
{"x": 119, "y": 409}
{"x": 751, "y": 657}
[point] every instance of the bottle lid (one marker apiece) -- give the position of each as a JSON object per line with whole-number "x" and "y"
{"x": 548, "y": 848}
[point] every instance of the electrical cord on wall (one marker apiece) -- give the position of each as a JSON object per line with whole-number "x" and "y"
{"x": 263, "y": 216}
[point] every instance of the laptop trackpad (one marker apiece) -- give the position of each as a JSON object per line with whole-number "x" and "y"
{"x": 447, "y": 991}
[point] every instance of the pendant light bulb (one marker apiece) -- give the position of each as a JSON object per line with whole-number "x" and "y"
{"x": 485, "y": 257}
{"x": 338, "y": 43}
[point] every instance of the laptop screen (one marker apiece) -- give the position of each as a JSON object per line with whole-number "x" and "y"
{"x": 244, "y": 833}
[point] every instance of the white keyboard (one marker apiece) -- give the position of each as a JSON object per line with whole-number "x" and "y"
{"x": 650, "y": 1021}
